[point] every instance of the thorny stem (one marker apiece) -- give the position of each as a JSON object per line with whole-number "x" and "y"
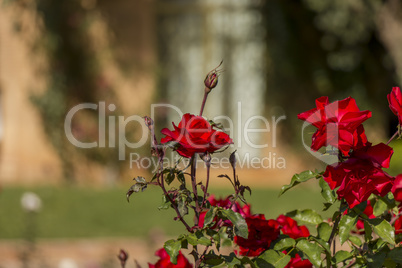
{"x": 393, "y": 137}
{"x": 335, "y": 227}
{"x": 204, "y": 101}
{"x": 194, "y": 185}
{"x": 208, "y": 164}
{"x": 162, "y": 185}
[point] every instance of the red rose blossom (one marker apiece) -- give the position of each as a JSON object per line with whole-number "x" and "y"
{"x": 261, "y": 233}
{"x": 164, "y": 261}
{"x": 397, "y": 188}
{"x": 290, "y": 227}
{"x": 361, "y": 175}
{"x": 195, "y": 135}
{"x": 395, "y": 102}
{"x": 398, "y": 226}
{"x": 338, "y": 123}
{"x": 297, "y": 262}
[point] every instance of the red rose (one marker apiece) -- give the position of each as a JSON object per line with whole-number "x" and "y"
{"x": 397, "y": 188}
{"x": 361, "y": 175}
{"x": 398, "y": 226}
{"x": 164, "y": 261}
{"x": 195, "y": 135}
{"x": 290, "y": 227}
{"x": 338, "y": 123}
{"x": 261, "y": 233}
{"x": 395, "y": 102}
{"x": 297, "y": 262}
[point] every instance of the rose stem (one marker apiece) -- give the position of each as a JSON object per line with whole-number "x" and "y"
{"x": 162, "y": 184}
{"x": 338, "y": 219}
{"x": 208, "y": 164}
{"x": 204, "y": 101}
{"x": 194, "y": 184}
{"x": 393, "y": 137}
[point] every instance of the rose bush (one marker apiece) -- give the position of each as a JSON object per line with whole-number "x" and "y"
{"x": 367, "y": 200}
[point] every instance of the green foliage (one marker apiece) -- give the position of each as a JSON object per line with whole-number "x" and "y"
{"x": 272, "y": 258}
{"x": 297, "y": 179}
{"x": 306, "y": 216}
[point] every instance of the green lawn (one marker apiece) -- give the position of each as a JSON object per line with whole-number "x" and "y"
{"x": 81, "y": 212}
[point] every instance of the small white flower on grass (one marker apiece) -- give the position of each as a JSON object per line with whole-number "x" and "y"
{"x": 31, "y": 202}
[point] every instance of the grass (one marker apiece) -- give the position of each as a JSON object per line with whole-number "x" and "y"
{"x": 81, "y": 212}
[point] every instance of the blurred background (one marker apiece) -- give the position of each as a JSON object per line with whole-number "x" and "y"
{"x": 278, "y": 57}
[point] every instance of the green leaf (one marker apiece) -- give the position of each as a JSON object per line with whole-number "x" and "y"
{"x": 172, "y": 248}
{"x": 198, "y": 238}
{"x": 380, "y": 207}
{"x": 383, "y": 229}
{"x": 306, "y": 216}
{"x": 355, "y": 240}
{"x": 238, "y": 221}
{"x": 311, "y": 250}
{"x": 284, "y": 243}
{"x": 141, "y": 185}
{"x": 368, "y": 231}
{"x": 346, "y": 224}
{"x": 341, "y": 256}
{"x": 180, "y": 177}
{"x": 326, "y": 192}
{"x": 322, "y": 243}
{"x": 298, "y": 178}
{"x": 324, "y": 231}
{"x": 272, "y": 258}
{"x": 247, "y": 260}
{"x": 170, "y": 177}
{"x": 395, "y": 255}
{"x": 212, "y": 259}
{"x": 182, "y": 206}
{"x": 140, "y": 179}
{"x": 209, "y": 216}
{"x": 375, "y": 260}
{"x": 231, "y": 261}
{"x": 165, "y": 203}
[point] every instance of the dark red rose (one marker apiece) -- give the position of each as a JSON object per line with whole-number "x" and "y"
{"x": 297, "y": 262}
{"x": 164, "y": 261}
{"x": 395, "y": 102}
{"x": 398, "y": 226}
{"x": 397, "y": 188}
{"x": 338, "y": 123}
{"x": 290, "y": 227}
{"x": 225, "y": 203}
{"x": 361, "y": 175}
{"x": 195, "y": 135}
{"x": 261, "y": 233}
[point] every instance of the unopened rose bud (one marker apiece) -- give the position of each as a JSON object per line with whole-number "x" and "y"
{"x": 232, "y": 159}
{"x": 123, "y": 256}
{"x": 212, "y": 78}
{"x": 148, "y": 121}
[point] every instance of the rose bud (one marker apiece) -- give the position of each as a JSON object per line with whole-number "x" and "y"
{"x": 123, "y": 256}
{"x": 212, "y": 79}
